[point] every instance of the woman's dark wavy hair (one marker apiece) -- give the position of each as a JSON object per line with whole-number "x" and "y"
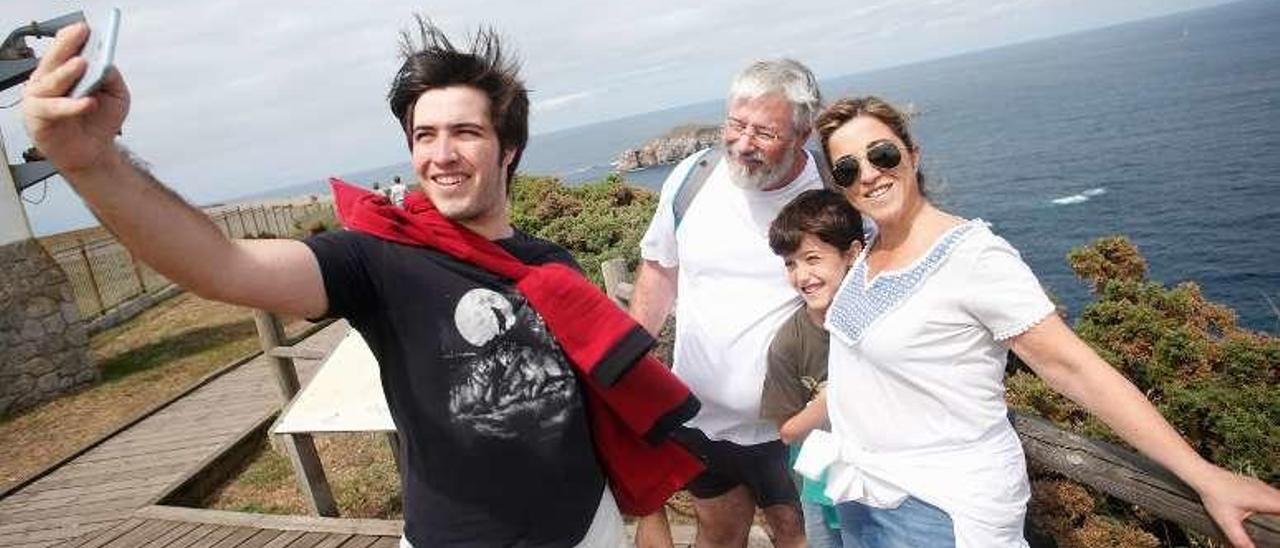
{"x": 820, "y": 212}
{"x": 431, "y": 61}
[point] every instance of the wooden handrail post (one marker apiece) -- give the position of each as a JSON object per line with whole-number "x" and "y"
{"x": 309, "y": 473}
{"x": 617, "y": 281}
{"x": 137, "y": 271}
{"x": 300, "y": 448}
{"x": 93, "y": 280}
{"x": 1128, "y": 476}
{"x": 244, "y": 228}
{"x": 393, "y": 442}
{"x": 270, "y": 335}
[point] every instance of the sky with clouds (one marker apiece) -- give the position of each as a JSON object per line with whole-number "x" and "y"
{"x": 234, "y": 96}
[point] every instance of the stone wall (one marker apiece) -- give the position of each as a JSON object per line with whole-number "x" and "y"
{"x": 44, "y": 346}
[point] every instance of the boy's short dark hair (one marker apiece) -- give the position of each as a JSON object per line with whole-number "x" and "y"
{"x": 431, "y": 61}
{"x": 820, "y": 212}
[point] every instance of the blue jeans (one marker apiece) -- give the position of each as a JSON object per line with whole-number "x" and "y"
{"x": 815, "y": 527}
{"x": 914, "y": 524}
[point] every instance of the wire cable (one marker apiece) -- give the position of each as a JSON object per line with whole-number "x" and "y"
{"x": 44, "y": 193}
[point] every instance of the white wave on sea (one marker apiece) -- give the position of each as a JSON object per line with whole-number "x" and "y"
{"x": 1079, "y": 198}
{"x": 584, "y": 169}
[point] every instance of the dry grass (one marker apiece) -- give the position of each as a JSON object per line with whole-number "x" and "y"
{"x": 359, "y": 467}
{"x": 143, "y": 362}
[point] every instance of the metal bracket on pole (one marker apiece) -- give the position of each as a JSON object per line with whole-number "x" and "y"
{"x": 16, "y": 58}
{"x": 17, "y": 61}
{"x": 30, "y": 173}
{"x": 15, "y": 71}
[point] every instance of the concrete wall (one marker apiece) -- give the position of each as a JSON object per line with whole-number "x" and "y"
{"x": 44, "y": 346}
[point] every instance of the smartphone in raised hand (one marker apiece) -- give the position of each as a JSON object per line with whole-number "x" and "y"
{"x": 100, "y": 51}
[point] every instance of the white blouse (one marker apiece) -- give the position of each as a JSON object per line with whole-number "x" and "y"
{"x": 916, "y": 384}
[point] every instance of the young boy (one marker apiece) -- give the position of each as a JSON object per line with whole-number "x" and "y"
{"x": 818, "y": 235}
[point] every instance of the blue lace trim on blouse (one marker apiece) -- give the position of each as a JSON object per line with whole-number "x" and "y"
{"x": 858, "y": 305}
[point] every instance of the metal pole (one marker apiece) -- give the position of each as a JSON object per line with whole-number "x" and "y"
{"x": 93, "y": 281}
{"x": 270, "y": 335}
{"x": 244, "y": 229}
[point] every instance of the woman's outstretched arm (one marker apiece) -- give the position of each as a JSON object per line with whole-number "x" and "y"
{"x": 1073, "y": 369}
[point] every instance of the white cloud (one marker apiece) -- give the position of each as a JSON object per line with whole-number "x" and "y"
{"x": 231, "y": 96}
{"x": 560, "y": 102}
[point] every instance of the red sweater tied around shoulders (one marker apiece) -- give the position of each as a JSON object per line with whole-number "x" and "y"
{"x": 633, "y": 401}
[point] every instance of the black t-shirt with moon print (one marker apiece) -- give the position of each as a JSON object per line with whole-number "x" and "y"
{"x": 495, "y": 439}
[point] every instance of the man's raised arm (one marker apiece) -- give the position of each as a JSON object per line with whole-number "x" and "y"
{"x": 155, "y": 224}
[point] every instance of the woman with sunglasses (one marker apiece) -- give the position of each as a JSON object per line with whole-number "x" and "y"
{"x": 922, "y": 452}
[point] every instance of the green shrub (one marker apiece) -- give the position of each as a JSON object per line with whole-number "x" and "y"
{"x": 318, "y": 222}
{"x": 596, "y": 221}
{"x": 1217, "y": 383}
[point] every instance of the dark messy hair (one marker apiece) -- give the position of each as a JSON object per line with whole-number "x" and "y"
{"x": 820, "y": 212}
{"x": 431, "y": 61}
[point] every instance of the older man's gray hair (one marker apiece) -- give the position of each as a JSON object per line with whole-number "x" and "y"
{"x": 786, "y": 77}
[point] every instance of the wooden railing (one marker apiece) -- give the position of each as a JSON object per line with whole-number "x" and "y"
{"x": 104, "y": 275}
{"x": 300, "y": 448}
{"x": 1106, "y": 467}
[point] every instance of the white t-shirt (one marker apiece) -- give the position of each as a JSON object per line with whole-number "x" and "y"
{"x": 916, "y": 383}
{"x": 732, "y": 294}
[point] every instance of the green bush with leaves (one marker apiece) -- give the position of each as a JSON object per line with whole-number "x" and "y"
{"x": 1217, "y": 383}
{"x": 596, "y": 221}
{"x": 311, "y": 224}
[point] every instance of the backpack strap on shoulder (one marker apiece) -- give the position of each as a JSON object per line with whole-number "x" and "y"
{"x": 814, "y": 145}
{"x": 697, "y": 177}
{"x": 823, "y": 164}
{"x": 694, "y": 180}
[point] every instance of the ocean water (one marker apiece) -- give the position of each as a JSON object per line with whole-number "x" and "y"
{"x": 1165, "y": 130}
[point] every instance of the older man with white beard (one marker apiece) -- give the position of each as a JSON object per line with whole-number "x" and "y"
{"x": 733, "y": 295}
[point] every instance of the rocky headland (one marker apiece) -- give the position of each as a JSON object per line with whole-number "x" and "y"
{"x": 670, "y": 148}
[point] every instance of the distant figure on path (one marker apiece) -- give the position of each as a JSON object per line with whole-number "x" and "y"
{"x": 397, "y": 191}
{"x": 497, "y": 442}
{"x": 731, "y": 294}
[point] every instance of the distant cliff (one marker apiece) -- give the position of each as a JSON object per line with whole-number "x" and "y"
{"x": 670, "y": 148}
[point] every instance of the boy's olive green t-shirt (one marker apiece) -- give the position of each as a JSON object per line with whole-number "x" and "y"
{"x": 797, "y": 363}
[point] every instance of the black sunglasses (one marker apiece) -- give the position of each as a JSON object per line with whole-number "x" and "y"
{"x": 882, "y": 154}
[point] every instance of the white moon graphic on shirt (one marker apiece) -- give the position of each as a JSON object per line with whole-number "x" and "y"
{"x": 483, "y": 314}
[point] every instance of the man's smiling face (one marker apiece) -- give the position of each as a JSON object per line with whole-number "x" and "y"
{"x": 457, "y": 156}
